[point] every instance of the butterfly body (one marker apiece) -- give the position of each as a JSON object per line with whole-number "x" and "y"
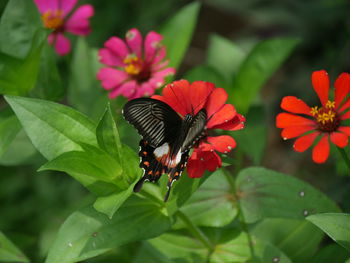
{"x": 166, "y": 138}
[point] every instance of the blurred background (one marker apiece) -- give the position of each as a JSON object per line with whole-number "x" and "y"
{"x": 33, "y": 205}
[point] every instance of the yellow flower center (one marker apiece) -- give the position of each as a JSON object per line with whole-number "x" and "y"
{"x": 326, "y": 117}
{"x": 53, "y": 19}
{"x": 133, "y": 65}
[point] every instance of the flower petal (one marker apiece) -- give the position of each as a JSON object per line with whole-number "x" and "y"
{"x": 320, "y": 152}
{"x": 62, "y": 44}
{"x": 152, "y": 45}
{"x": 134, "y": 40}
{"x": 344, "y": 129}
{"x": 200, "y": 91}
{"x": 223, "y": 143}
{"x": 176, "y": 95}
{"x": 145, "y": 89}
{"x": 345, "y": 116}
{"x": 236, "y": 123}
{"x": 78, "y": 23}
{"x": 345, "y": 105}
{"x": 295, "y": 105}
{"x": 44, "y": 5}
{"x": 295, "y": 131}
{"x": 227, "y": 113}
{"x": 127, "y": 89}
{"x": 111, "y": 78}
{"x": 342, "y": 88}
{"x": 339, "y": 139}
{"x": 66, "y": 5}
{"x": 114, "y": 52}
{"x": 284, "y": 120}
{"x": 304, "y": 142}
{"x": 160, "y": 55}
{"x": 320, "y": 83}
{"x": 216, "y": 101}
{"x": 201, "y": 161}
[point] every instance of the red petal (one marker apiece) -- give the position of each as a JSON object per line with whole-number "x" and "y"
{"x": 320, "y": 152}
{"x": 342, "y": 88}
{"x": 202, "y": 160}
{"x": 194, "y": 168}
{"x": 226, "y": 114}
{"x": 294, "y": 131}
{"x": 176, "y": 95}
{"x": 223, "y": 143}
{"x": 339, "y": 139}
{"x": 320, "y": 82}
{"x": 345, "y": 105}
{"x": 303, "y": 143}
{"x": 295, "y": 105}
{"x": 237, "y": 123}
{"x": 345, "y": 130}
{"x": 200, "y": 91}
{"x": 216, "y": 101}
{"x": 345, "y": 116}
{"x": 284, "y": 120}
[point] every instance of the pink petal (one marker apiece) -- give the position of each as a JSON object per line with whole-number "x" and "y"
{"x": 160, "y": 55}
{"x": 45, "y": 5}
{"x": 66, "y": 5}
{"x": 216, "y": 101}
{"x": 304, "y": 142}
{"x": 146, "y": 89}
{"x": 223, "y": 143}
{"x": 342, "y": 88}
{"x": 78, "y": 22}
{"x": 320, "y": 83}
{"x": 295, "y": 105}
{"x": 62, "y": 44}
{"x": 164, "y": 73}
{"x": 111, "y": 78}
{"x": 339, "y": 139}
{"x": 114, "y": 52}
{"x": 152, "y": 45}
{"x": 134, "y": 40}
{"x": 320, "y": 152}
{"x": 127, "y": 89}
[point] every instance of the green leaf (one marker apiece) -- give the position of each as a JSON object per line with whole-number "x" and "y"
{"x": 92, "y": 162}
{"x": 88, "y": 233}
{"x": 9, "y": 128}
{"x": 17, "y": 26}
{"x": 18, "y": 77}
{"x": 211, "y": 205}
{"x": 237, "y": 250}
{"x": 335, "y": 225}
{"x": 331, "y": 253}
{"x": 265, "y": 193}
{"x": 298, "y": 239}
{"x": 182, "y": 26}
{"x": 148, "y": 254}
{"x": 206, "y": 73}
{"x": 53, "y": 128}
{"x": 107, "y": 134}
{"x": 9, "y": 252}
{"x": 84, "y": 90}
{"x": 257, "y": 68}
{"x": 49, "y": 85}
{"x": 252, "y": 139}
{"x": 224, "y": 55}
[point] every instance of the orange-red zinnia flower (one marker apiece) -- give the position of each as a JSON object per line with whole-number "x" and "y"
{"x": 319, "y": 124}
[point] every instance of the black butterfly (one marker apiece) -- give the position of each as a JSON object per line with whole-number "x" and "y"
{"x": 166, "y": 138}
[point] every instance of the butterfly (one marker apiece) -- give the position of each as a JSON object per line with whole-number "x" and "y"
{"x": 167, "y": 138}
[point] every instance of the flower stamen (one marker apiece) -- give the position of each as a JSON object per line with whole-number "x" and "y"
{"x": 133, "y": 65}
{"x": 326, "y": 117}
{"x": 53, "y": 19}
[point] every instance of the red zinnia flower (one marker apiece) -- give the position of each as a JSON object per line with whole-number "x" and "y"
{"x": 135, "y": 68}
{"x": 324, "y": 122}
{"x": 186, "y": 98}
{"x": 55, "y": 16}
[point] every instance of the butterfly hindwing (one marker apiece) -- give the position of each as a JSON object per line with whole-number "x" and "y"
{"x": 155, "y": 120}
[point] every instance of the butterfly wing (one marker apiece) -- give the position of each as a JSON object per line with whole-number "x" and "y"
{"x": 196, "y": 131}
{"x": 155, "y": 120}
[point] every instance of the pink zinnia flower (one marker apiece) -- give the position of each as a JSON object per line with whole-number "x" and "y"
{"x": 55, "y": 16}
{"x": 135, "y": 68}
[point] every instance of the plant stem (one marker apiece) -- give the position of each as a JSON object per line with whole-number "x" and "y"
{"x": 345, "y": 156}
{"x": 196, "y": 231}
{"x": 240, "y": 211}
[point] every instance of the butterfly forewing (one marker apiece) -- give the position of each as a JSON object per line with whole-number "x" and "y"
{"x": 155, "y": 120}
{"x": 196, "y": 130}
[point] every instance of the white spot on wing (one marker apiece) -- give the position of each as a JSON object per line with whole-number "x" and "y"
{"x": 161, "y": 150}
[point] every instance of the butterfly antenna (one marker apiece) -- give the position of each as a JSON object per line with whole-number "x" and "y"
{"x": 206, "y": 98}
{"x": 177, "y": 98}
